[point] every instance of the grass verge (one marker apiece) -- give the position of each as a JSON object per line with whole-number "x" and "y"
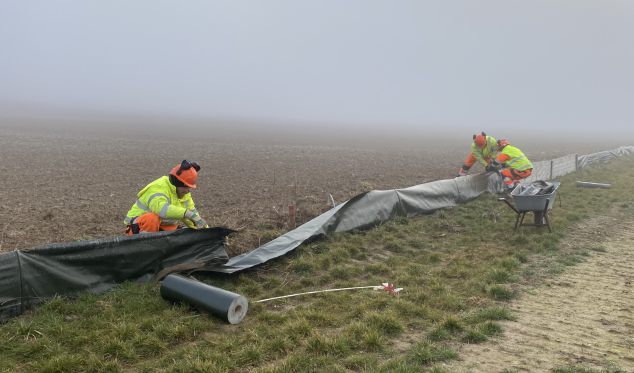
{"x": 458, "y": 268}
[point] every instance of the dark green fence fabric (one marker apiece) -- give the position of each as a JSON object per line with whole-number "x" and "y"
{"x": 29, "y": 277}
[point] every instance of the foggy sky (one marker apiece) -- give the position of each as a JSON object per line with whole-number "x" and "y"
{"x": 361, "y": 64}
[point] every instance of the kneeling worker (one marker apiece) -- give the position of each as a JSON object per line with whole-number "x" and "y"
{"x": 512, "y": 164}
{"x": 166, "y": 203}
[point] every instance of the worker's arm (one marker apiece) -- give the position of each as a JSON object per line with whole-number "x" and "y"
{"x": 502, "y": 158}
{"x": 192, "y": 217}
{"x": 469, "y": 161}
{"x": 498, "y": 162}
{"x": 159, "y": 204}
{"x": 188, "y": 223}
{"x": 478, "y": 155}
{"x": 193, "y": 220}
{"x": 466, "y": 165}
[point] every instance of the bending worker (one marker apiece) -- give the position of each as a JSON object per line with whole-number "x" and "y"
{"x": 512, "y": 164}
{"x": 166, "y": 204}
{"x": 483, "y": 149}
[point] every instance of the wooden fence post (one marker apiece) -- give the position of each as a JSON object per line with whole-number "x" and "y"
{"x": 292, "y": 212}
{"x": 551, "y": 169}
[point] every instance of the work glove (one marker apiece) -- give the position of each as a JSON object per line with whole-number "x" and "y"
{"x": 462, "y": 171}
{"x": 194, "y": 216}
{"x": 492, "y": 166}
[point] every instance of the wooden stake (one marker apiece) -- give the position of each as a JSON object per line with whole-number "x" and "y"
{"x": 291, "y": 215}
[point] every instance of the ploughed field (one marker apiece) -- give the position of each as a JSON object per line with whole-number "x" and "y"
{"x": 59, "y": 187}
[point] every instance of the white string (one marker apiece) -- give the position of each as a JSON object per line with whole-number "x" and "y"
{"x": 319, "y": 291}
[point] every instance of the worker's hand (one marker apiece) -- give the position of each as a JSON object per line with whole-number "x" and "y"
{"x": 490, "y": 168}
{"x": 463, "y": 171}
{"x": 194, "y": 216}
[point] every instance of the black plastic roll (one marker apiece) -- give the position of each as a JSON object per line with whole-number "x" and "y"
{"x": 229, "y": 306}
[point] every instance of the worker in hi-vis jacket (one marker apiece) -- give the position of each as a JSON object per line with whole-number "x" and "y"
{"x": 511, "y": 163}
{"x": 483, "y": 149}
{"x": 166, "y": 204}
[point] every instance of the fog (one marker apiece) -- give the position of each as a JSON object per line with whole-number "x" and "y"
{"x": 414, "y": 72}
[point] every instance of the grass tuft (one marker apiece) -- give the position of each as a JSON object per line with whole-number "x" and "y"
{"x": 498, "y": 276}
{"x": 386, "y": 324}
{"x": 491, "y": 313}
{"x": 474, "y": 336}
{"x": 426, "y": 353}
{"x": 499, "y": 292}
{"x": 452, "y": 324}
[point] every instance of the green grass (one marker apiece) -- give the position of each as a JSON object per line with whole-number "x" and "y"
{"x": 458, "y": 268}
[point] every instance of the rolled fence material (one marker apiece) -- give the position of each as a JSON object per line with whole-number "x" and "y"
{"x": 229, "y": 306}
{"x": 586, "y": 184}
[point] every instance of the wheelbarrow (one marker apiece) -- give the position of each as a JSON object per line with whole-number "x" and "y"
{"x": 537, "y": 197}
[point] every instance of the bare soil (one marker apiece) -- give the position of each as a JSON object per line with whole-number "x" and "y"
{"x": 584, "y": 317}
{"x": 65, "y": 184}
{"x": 60, "y": 187}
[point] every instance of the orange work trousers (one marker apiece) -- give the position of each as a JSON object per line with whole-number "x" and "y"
{"x": 147, "y": 223}
{"x": 512, "y": 176}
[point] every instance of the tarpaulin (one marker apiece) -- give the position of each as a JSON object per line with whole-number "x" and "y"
{"x": 28, "y": 277}
{"x": 371, "y": 209}
{"x": 378, "y": 206}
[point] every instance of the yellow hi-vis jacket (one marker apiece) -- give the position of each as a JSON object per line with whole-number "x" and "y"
{"x": 487, "y": 153}
{"x": 513, "y": 158}
{"x": 160, "y": 198}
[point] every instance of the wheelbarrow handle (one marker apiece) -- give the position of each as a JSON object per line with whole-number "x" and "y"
{"x": 509, "y": 204}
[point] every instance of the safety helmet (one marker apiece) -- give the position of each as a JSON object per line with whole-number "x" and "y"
{"x": 502, "y": 143}
{"x": 186, "y": 172}
{"x": 480, "y": 140}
